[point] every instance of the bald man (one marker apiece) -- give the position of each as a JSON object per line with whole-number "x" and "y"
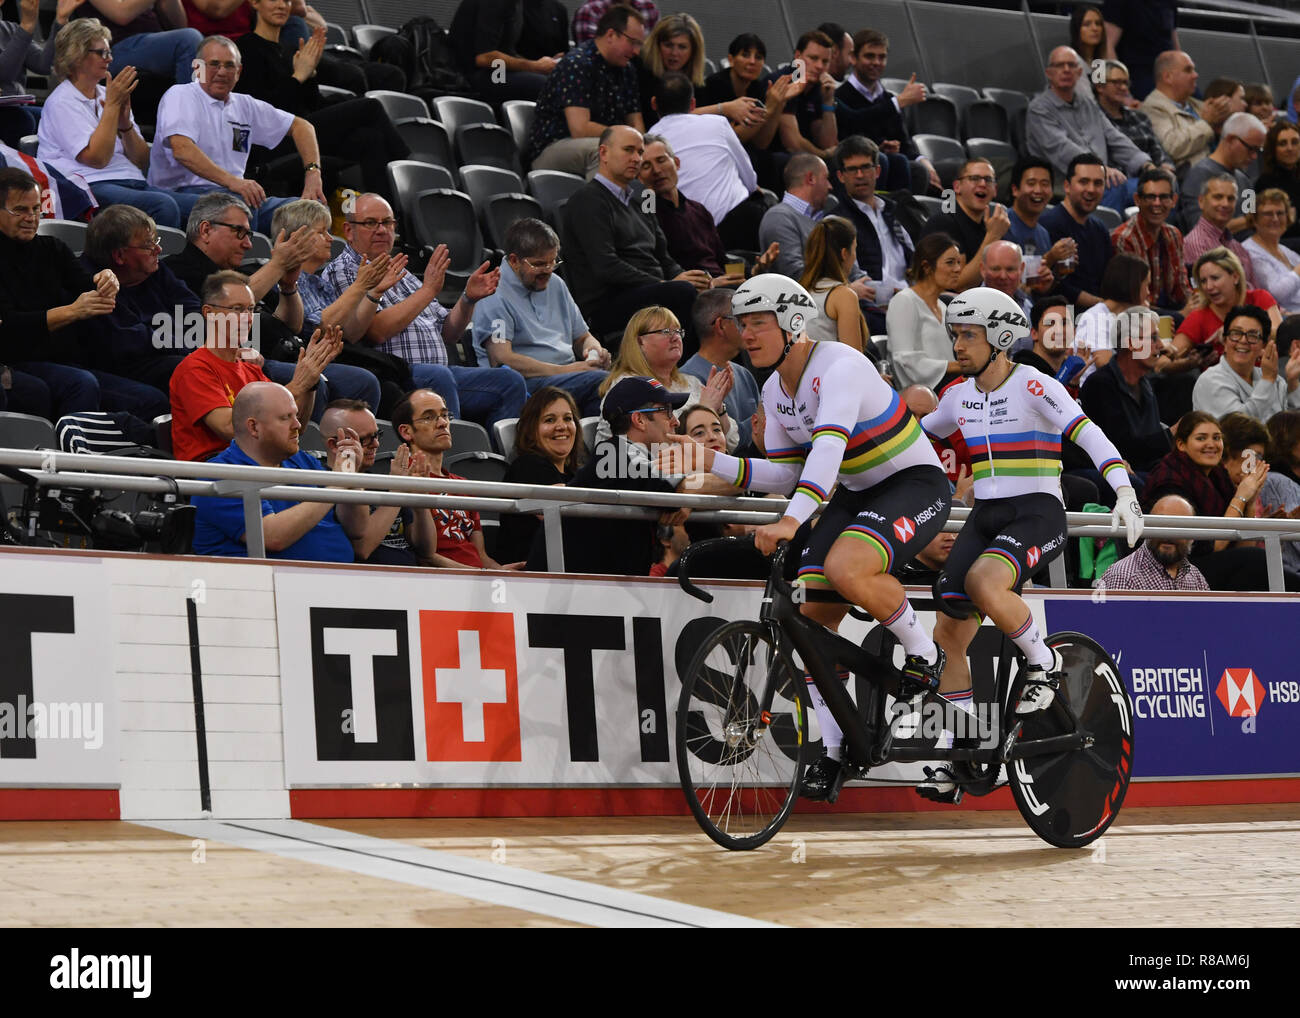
{"x": 394, "y": 535}
{"x": 1185, "y": 126}
{"x": 1160, "y": 563}
{"x": 264, "y": 419}
{"x": 1061, "y": 124}
{"x": 1002, "y": 268}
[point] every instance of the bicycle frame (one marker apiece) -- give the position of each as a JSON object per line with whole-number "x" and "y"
{"x": 868, "y": 733}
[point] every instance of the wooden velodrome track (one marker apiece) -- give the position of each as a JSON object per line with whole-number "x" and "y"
{"x": 1191, "y": 866}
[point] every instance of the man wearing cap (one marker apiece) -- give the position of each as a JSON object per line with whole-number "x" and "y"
{"x": 640, "y": 414}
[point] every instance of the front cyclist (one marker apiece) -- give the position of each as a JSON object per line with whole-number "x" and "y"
{"x": 1012, "y": 417}
{"x": 832, "y": 419}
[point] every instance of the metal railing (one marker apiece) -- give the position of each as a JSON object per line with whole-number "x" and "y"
{"x": 55, "y": 470}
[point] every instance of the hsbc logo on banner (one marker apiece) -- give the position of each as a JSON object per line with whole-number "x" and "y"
{"x": 1241, "y": 692}
{"x": 1032, "y": 556}
{"x": 471, "y": 685}
{"x": 904, "y": 528}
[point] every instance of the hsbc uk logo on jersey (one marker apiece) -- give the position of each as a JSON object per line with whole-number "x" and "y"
{"x": 1035, "y": 387}
{"x": 904, "y": 529}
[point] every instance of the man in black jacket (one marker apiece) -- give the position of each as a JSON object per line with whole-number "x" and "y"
{"x": 884, "y": 246}
{"x": 616, "y": 255}
{"x": 864, "y": 106}
{"x": 45, "y": 296}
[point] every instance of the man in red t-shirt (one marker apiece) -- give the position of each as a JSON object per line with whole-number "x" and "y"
{"x": 424, "y": 423}
{"x": 205, "y": 383}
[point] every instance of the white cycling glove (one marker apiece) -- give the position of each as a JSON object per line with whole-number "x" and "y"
{"x": 1128, "y": 515}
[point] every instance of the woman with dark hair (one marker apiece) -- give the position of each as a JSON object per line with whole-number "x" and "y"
{"x": 744, "y": 79}
{"x": 918, "y": 341}
{"x": 830, "y": 254}
{"x": 1279, "y": 165}
{"x": 1259, "y": 103}
{"x": 1230, "y": 87}
{"x": 1124, "y": 284}
{"x": 548, "y": 450}
{"x": 1196, "y": 470}
{"x": 1284, "y": 444}
{"x": 355, "y": 130}
{"x": 1235, "y": 384}
{"x": 1088, "y": 39}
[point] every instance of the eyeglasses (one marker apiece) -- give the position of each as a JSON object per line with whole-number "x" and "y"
{"x": 26, "y": 212}
{"x": 1118, "y": 81}
{"x": 980, "y": 180}
{"x": 860, "y": 168}
{"x": 239, "y": 309}
{"x": 1252, "y": 149}
{"x": 434, "y": 418}
{"x": 372, "y": 438}
{"x": 651, "y": 410}
{"x": 550, "y": 266}
{"x": 631, "y": 38}
{"x": 373, "y": 224}
{"x": 1155, "y": 197}
{"x": 241, "y": 232}
{"x": 670, "y": 333}
{"x": 105, "y": 53}
{"x": 1254, "y": 336}
{"x": 1271, "y": 214}
{"x": 153, "y": 245}
{"x": 222, "y": 65}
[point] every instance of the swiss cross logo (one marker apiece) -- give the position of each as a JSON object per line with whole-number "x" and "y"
{"x": 904, "y": 528}
{"x": 817, "y": 385}
{"x": 1035, "y": 387}
{"x": 1241, "y": 692}
{"x": 1033, "y": 556}
{"x": 471, "y": 685}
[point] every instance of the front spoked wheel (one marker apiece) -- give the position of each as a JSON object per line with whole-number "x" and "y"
{"x": 1070, "y": 798}
{"x": 742, "y": 725}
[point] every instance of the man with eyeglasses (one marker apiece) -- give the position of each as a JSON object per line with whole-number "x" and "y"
{"x": 1235, "y": 384}
{"x": 532, "y": 324}
{"x": 1062, "y": 124}
{"x": 410, "y": 323}
{"x": 205, "y": 384}
{"x": 1150, "y": 237}
{"x": 394, "y": 535}
{"x": 423, "y": 422}
{"x": 593, "y": 87}
{"x": 586, "y": 20}
{"x": 265, "y": 424}
{"x": 1113, "y": 98}
{"x": 206, "y": 131}
{"x": 884, "y": 246}
{"x": 1241, "y": 141}
{"x": 47, "y": 298}
{"x": 976, "y": 222}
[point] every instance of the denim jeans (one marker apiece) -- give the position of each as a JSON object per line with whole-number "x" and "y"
{"x": 117, "y": 393}
{"x": 163, "y": 53}
{"x": 187, "y": 197}
{"x": 340, "y": 381}
{"x": 71, "y": 390}
{"x": 482, "y": 395}
{"x": 161, "y": 205}
{"x": 1120, "y": 196}
{"x": 583, "y": 386}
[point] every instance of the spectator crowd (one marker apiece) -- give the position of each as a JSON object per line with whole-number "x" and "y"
{"x": 1146, "y": 226}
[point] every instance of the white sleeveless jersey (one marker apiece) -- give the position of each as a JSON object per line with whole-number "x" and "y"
{"x": 844, "y": 423}
{"x": 1014, "y": 434}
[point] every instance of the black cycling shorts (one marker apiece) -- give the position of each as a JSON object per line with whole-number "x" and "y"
{"x": 1025, "y": 533}
{"x": 897, "y": 517}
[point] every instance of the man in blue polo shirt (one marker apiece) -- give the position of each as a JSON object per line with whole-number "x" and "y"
{"x": 532, "y": 323}
{"x": 265, "y": 421}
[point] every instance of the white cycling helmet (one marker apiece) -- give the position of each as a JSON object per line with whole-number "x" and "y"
{"x": 791, "y": 303}
{"x": 1003, "y": 319}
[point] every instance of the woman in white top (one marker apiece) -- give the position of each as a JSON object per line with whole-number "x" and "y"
{"x": 1277, "y": 267}
{"x": 918, "y": 342}
{"x": 651, "y": 348}
{"x": 828, "y": 257}
{"x": 87, "y": 128}
{"x": 1123, "y": 285}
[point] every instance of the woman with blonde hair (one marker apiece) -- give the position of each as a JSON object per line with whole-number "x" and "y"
{"x": 1220, "y": 284}
{"x": 1277, "y": 267}
{"x": 677, "y": 44}
{"x": 86, "y": 128}
{"x": 829, "y": 256}
{"x": 651, "y": 348}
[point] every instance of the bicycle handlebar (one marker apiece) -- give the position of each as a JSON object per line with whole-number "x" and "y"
{"x": 684, "y": 562}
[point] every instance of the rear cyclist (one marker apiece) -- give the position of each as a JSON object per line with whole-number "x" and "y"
{"x": 1012, "y": 417}
{"x": 832, "y": 419}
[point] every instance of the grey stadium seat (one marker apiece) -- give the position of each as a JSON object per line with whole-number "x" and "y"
{"x": 399, "y": 104}
{"x": 482, "y": 182}
{"x": 934, "y": 115}
{"x": 466, "y": 436}
{"x": 986, "y": 119}
{"x": 427, "y": 139}
{"x": 365, "y": 36}
{"x": 408, "y": 177}
{"x": 961, "y": 95}
{"x": 504, "y": 209}
{"x": 550, "y": 187}
{"x": 488, "y": 145}
{"x": 70, "y": 232}
{"x": 454, "y": 111}
{"x": 519, "y": 114}
{"x": 946, "y": 154}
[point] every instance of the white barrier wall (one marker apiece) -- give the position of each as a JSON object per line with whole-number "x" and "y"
{"x": 367, "y": 681}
